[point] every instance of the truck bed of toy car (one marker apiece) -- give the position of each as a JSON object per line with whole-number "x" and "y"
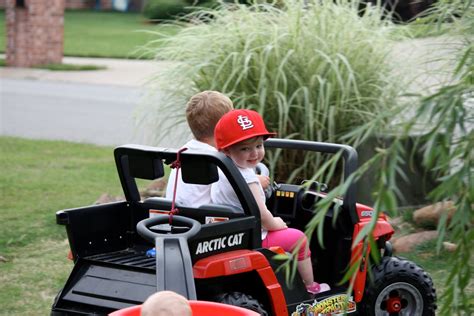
{"x": 109, "y": 281}
{"x": 129, "y": 257}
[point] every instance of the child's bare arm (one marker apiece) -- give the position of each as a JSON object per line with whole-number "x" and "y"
{"x": 269, "y": 222}
{"x": 264, "y": 180}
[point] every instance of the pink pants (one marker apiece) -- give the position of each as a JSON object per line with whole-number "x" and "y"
{"x": 288, "y": 239}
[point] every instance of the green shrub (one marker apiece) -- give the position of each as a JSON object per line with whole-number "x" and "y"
{"x": 161, "y": 10}
{"x": 207, "y": 4}
{"x": 164, "y": 9}
{"x": 315, "y": 71}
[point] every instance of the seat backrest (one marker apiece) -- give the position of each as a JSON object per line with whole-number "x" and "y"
{"x": 205, "y": 214}
{"x": 223, "y": 228}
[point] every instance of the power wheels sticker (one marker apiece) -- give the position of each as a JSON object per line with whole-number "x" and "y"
{"x": 333, "y": 305}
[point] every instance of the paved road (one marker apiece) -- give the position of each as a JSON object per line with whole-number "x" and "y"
{"x": 99, "y": 114}
{"x": 97, "y": 107}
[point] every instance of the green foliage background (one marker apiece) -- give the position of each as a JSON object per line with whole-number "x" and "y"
{"x": 314, "y": 71}
{"x": 446, "y": 118}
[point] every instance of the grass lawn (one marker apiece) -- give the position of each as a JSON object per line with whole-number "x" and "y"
{"x": 103, "y": 34}
{"x": 42, "y": 177}
{"x": 39, "y": 178}
{"x": 437, "y": 265}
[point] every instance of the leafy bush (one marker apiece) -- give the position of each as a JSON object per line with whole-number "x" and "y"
{"x": 160, "y": 10}
{"x": 445, "y": 116}
{"x": 315, "y": 70}
{"x": 164, "y": 9}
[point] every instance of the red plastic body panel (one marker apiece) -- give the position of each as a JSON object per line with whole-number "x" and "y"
{"x": 241, "y": 261}
{"x": 382, "y": 228}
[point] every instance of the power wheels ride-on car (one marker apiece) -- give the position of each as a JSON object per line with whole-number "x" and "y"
{"x": 214, "y": 252}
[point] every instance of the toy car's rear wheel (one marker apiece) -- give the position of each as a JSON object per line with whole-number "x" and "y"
{"x": 241, "y": 300}
{"x": 398, "y": 287}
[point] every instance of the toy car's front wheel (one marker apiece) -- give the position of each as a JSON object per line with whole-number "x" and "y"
{"x": 398, "y": 287}
{"x": 241, "y": 300}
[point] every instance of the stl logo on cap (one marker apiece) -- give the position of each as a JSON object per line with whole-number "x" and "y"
{"x": 239, "y": 125}
{"x": 245, "y": 122}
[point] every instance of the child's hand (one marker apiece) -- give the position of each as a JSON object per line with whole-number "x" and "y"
{"x": 278, "y": 224}
{"x": 264, "y": 181}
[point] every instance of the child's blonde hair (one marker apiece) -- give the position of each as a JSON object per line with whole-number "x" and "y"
{"x": 204, "y": 110}
{"x": 166, "y": 303}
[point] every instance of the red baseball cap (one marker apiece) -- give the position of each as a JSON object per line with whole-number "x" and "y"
{"x": 239, "y": 125}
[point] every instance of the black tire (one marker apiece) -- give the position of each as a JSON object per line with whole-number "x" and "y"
{"x": 241, "y": 300}
{"x": 398, "y": 287}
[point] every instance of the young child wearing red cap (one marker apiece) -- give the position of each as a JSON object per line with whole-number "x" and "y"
{"x": 240, "y": 135}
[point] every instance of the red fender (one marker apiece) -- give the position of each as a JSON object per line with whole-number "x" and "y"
{"x": 382, "y": 228}
{"x": 240, "y": 261}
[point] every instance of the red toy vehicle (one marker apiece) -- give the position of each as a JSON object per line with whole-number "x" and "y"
{"x": 223, "y": 260}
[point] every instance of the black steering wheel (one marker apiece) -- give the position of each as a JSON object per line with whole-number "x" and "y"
{"x": 192, "y": 227}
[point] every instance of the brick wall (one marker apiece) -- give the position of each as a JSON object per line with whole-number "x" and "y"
{"x": 35, "y": 32}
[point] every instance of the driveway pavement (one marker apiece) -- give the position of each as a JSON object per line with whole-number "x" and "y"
{"x": 97, "y": 107}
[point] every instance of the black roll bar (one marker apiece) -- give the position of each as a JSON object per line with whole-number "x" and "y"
{"x": 350, "y": 164}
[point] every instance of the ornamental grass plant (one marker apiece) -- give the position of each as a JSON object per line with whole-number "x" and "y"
{"x": 315, "y": 70}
